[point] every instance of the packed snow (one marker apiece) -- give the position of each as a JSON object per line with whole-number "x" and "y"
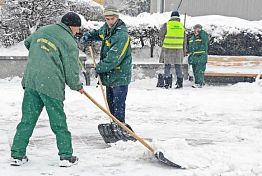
{"x": 212, "y": 131}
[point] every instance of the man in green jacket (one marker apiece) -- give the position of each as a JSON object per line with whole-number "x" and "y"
{"x": 52, "y": 64}
{"x": 115, "y": 63}
{"x": 198, "y": 52}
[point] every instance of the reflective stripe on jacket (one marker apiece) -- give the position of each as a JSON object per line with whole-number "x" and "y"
{"x": 198, "y": 48}
{"x": 174, "y": 38}
{"x": 115, "y": 64}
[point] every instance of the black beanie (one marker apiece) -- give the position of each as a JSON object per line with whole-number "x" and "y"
{"x": 71, "y": 19}
{"x": 175, "y": 13}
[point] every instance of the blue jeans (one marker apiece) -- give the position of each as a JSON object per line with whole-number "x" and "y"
{"x": 178, "y": 68}
{"x": 116, "y": 98}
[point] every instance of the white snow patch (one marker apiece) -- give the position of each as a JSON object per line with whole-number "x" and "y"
{"x": 215, "y": 130}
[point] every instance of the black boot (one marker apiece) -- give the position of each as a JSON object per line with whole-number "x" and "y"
{"x": 191, "y": 78}
{"x": 160, "y": 81}
{"x": 68, "y": 161}
{"x": 179, "y": 83}
{"x": 168, "y": 81}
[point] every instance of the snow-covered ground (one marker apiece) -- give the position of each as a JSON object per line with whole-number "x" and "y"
{"x": 214, "y": 131}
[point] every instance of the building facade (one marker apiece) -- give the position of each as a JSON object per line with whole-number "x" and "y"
{"x": 245, "y": 9}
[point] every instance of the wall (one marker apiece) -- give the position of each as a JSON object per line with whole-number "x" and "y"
{"x": 12, "y": 66}
{"x": 246, "y": 9}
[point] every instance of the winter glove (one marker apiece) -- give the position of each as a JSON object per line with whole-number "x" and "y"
{"x": 84, "y": 40}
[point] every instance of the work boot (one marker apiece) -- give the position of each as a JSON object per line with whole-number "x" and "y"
{"x": 168, "y": 81}
{"x": 197, "y": 86}
{"x": 191, "y": 78}
{"x": 18, "y": 161}
{"x": 68, "y": 161}
{"x": 179, "y": 83}
{"x": 160, "y": 81}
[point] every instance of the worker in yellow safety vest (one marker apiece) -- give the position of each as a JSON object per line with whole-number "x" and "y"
{"x": 173, "y": 51}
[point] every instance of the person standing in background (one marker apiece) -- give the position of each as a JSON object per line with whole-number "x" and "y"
{"x": 198, "y": 54}
{"x": 173, "y": 51}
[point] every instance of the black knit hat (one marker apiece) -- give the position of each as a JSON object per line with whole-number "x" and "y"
{"x": 175, "y": 14}
{"x": 71, "y": 19}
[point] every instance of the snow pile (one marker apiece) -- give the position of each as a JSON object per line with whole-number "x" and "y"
{"x": 17, "y": 50}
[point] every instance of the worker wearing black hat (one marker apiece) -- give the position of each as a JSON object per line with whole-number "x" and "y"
{"x": 173, "y": 51}
{"x": 52, "y": 64}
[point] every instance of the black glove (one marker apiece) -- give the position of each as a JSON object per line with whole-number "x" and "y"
{"x": 84, "y": 39}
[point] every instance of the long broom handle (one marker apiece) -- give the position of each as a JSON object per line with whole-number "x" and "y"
{"x": 119, "y": 123}
{"x": 99, "y": 79}
{"x": 185, "y": 21}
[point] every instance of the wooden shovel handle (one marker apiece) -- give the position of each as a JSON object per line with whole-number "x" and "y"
{"x": 99, "y": 79}
{"x": 119, "y": 123}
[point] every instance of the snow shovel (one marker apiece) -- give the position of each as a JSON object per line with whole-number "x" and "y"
{"x": 110, "y": 132}
{"x": 158, "y": 154}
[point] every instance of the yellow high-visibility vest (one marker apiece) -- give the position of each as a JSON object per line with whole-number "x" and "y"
{"x": 174, "y": 38}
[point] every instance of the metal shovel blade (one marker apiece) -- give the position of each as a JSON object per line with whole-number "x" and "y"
{"x": 112, "y": 133}
{"x": 160, "y": 156}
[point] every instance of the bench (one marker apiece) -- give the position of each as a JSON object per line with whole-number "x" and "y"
{"x": 230, "y": 78}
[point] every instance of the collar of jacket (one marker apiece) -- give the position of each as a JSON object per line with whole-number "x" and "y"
{"x": 65, "y": 27}
{"x": 110, "y": 32}
{"x": 174, "y": 19}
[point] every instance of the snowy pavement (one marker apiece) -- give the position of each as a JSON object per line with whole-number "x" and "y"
{"x": 214, "y": 131}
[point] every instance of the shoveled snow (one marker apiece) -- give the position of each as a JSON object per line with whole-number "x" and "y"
{"x": 16, "y": 50}
{"x": 212, "y": 131}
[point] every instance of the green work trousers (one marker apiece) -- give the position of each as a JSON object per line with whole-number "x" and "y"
{"x": 199, "y": 71}
{"x": 33, "y": 103}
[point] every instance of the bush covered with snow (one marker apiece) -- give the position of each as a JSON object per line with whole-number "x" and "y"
{"x": 243, "y": 43}
{"x": 90, "y": 10}
{"x": 22, "y": 17}
{"x": 130, "y": 7}
{"x": 228, "y": 35}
